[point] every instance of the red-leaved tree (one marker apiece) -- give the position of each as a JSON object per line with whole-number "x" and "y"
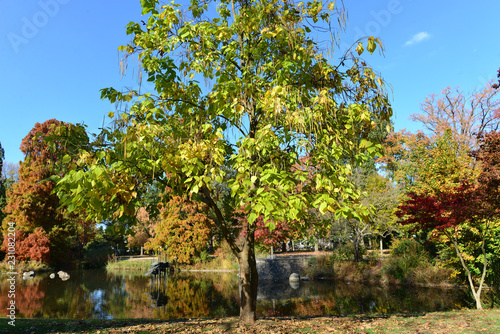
{"x": 49, "y": 232}
{"x": 465, "y": 215}
{"x": 33, "y": 246}
{"x": 450, "y": 214}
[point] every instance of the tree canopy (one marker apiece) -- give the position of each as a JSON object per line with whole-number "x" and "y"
{"x": 463, "y": 210}
{"x": 466, "y": 115}
{"x": 45, "y": 232}
{"x": 270, "y": 96}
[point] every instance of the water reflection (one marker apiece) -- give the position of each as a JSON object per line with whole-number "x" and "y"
{"x": 338, "y": 298}
{"x": 99, "y": 294}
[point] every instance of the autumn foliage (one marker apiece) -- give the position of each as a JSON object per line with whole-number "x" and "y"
{"x": 467, "y": 115}
{"x": 45, "y": 232}
{"x": 143, "y": 230}
{"x": 267, "y": 233}
{"x": 465, "y": 215}
{"x": 437, "y": 211}
{"x": 183, "y": 228}
{"x": 31, "y": 202}
{"x": 489, "y": 179}
{"x": 33, "y": 246}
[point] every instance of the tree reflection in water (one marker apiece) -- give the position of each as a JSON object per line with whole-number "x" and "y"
{"x": 340, "y": 298}
{"x": 99, "y": 294}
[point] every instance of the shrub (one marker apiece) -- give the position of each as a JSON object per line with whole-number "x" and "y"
{"x": 320, "y": 266}
{"x": 202, "y": 257}
{"x": 23, "y": 266}
{"x": 343, "y": 252}
{"x": 350, "y": 271}
{"x": 406, "y": 254}
{"x": 429, "y": 275}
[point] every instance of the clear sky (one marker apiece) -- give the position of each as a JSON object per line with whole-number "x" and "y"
{"x": 55, "y": 55}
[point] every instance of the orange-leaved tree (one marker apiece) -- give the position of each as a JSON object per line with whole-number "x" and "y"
{"x": 32, "y": 206}
{"x": 183, "y": 229}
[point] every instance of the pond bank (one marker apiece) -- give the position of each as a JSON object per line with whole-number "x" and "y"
{"x": 466, "y": 321}
{"x": 312, "y": 266}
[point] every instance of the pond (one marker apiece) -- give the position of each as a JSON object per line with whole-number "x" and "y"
{"x": 99, "y": 294}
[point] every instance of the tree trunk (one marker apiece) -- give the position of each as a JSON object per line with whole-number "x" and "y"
{"x": 249, "y": 279}
{"x": 356, "y": 250}
{"x": 475, "y": 293}
{"x": 381, "y": 246}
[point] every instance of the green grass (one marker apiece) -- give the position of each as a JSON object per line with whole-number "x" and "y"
{"x": 139, "y": 265}
{"x": 144, "y": 265}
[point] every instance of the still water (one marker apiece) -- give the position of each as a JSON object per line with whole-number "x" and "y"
{"x": 103, "y": 295}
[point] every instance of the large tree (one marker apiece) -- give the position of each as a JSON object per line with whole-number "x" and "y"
{"x": 465, "y": 213}
{"x": 269, "y": 97}
{"x": 142, "y": 231}
{"x": 183, "y": 228}
{"x": 454, "y": 217}
{"x": 33, "y": 207}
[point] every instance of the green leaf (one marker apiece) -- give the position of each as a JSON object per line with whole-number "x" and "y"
{"x": 66, "y": 159}
{"x": 252, "y": 217}
{"x": 371, "y": 44}
{"x": 322, "y": 207}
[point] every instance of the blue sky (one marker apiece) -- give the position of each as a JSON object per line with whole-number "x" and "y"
{"x": 55, "y": 55}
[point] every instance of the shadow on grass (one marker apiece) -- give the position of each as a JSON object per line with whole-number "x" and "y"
{"x": 467, "y": 321}
{"x": 43, "y": 326}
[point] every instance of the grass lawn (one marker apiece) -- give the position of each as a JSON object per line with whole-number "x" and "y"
{"x": 131, "y": 264}
{"x": 467, "y": 321}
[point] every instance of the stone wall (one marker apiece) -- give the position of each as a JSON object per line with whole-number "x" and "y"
{"x": 280, "y": 268}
